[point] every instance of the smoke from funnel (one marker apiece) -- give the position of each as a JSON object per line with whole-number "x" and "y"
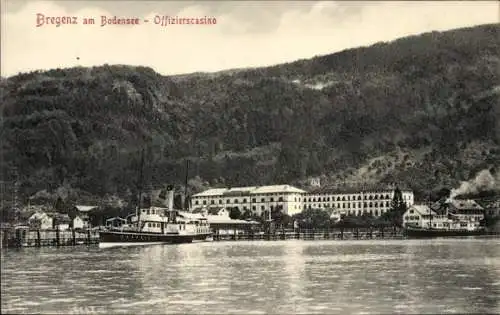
{"x": 484, "y": 181}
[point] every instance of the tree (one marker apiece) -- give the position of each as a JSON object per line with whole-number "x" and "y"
{"x": 60, "y": 205}
{"x": 246, "y": 215}
{"x": 365, "y": 220}
{"x": 398, "y": 208}
{"x": 441, "y": 194}
{"x": 281, "y": 218}
{"x": 234, "y": 213}
{"x": 313, "y": 218}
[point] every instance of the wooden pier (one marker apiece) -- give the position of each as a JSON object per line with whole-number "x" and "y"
{"x": 38, "y": 238}
{"x": 333, "y": 234}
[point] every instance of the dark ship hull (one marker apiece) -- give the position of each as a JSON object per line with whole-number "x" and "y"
{"x": 116, "y": 238}
{"x": 415, "y": 232}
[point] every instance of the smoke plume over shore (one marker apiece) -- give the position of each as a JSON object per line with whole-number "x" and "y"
{"x": 484, "y": 181}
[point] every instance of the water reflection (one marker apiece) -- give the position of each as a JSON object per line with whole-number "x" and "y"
{"x": 323, "y": 277}
{"x": 294, "y": 269}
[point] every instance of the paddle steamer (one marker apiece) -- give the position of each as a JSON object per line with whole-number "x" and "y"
{"x": 157, "y": 225}
{"x": 463, "y": 220}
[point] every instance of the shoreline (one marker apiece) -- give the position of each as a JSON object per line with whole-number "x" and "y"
{"x": 54, "y": 238}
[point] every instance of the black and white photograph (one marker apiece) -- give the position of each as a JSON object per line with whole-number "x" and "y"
{"x": 249, "y": 157}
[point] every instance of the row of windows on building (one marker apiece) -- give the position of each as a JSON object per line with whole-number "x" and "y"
{"x": 348, "y": 198}
{"x": 353, "y": 205}
{"x": 376, "y": 212}
{"x": 343, "y": 205}
{"x": 310, "y": 199}
{"x": 254, "y": 200}
{"x": 470, "y": 217}
{"x": 254, "y": 208}
{"x": 412, "y": 217}
{"x": 353, "y": 212}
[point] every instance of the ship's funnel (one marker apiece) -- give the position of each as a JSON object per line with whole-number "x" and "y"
{"x": 169, "y": 201}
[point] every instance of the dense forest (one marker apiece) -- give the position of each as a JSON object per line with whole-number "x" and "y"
{"x": 421, "y": 111}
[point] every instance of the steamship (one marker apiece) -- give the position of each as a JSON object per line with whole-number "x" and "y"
{"x": 463, "y": 219}
{"x": 446, "y": 230}
{"x": 157, "y": 225}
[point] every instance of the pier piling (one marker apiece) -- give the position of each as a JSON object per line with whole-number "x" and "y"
{"x": 38, "y": 238}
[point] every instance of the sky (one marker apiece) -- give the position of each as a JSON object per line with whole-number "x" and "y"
{"x": 246, "y": 33}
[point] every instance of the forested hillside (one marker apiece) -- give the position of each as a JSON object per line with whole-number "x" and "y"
{"x": 421, "y": 111}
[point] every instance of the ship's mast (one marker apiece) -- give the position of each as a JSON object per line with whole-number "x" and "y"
{"x": 15, "y": 193}
{"x": 140, "y": 187}
{"x": 430, "y": 211}
{"x": 185, "y": 206}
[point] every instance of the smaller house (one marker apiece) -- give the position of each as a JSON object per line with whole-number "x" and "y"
{"x": 81, "y": 218}
{"x": 418, "y": 215}
{"x": 5, "y": 226}
{"x": 40, "y": 220}
{"x": 115, "y": 222}
{"x": 60, "y": 221}
{"x": 202, "y": 211}
{"x": 212, "y": 211}
{"x": 492, "y": 209}
{"x": 80, "y": 222}
{"x": 466, "y": 210}
{"x": 221, "y": 222}
{"x": 218, "y": 211}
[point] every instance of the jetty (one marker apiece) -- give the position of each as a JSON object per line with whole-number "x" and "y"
{"x": 310, "y": 234}
{"x": 26, "y": 237}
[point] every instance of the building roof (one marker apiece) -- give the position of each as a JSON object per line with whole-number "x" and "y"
{"x": 115, "y": 219}
{"x": 211, "y": 192}
{"x": 225, "y": 220}
{"x": 190, "y": 215}
{"x": 350, "y": 190}
{"x": 36, "y": 208}
{"x": 38, "y": 215}
{"x": 495, "y": 204}
{"x": 5, "y": 225}
{"x": 215, "y": 211}
{"x": 26, "y": 215}
{"x": 85, "y": 208}
{"x": 277, "y": 189}
{"x": 250, "y": 190}
{"x": 239, "y": 191}
{"x": 422, "y": 209}
{"x": 465, "y": 204}
{"x": 82, "y": 216}
{"x": 60, "y": 217}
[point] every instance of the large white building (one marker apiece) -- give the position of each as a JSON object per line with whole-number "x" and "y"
{"x": 293, "y": 200}
{"x": 256, "y": 198}
{"x": 355, "y": 202}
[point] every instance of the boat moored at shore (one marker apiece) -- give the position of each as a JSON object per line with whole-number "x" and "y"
{"x": 428, "y": 232}
{"x": 157, "y": 225}
{"x": 452, "y": 218}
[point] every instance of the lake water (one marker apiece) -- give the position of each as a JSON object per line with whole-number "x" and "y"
{"x": 283, "y": 277}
